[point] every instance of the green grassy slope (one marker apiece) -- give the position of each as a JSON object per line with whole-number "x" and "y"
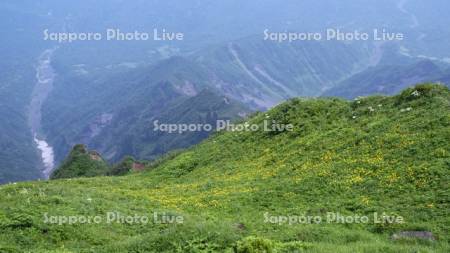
{"x": 377, "y": 154}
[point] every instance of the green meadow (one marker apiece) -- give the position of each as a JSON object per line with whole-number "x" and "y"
{"x": 253, "y": 191}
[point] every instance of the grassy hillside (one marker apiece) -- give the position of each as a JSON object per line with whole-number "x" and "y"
{"x": 378, "y": 154}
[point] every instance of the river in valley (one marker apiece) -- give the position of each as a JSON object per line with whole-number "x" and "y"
{"x": 45, "y": 76}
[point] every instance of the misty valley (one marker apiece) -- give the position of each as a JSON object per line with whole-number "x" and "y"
{"x": 224, "y": 126}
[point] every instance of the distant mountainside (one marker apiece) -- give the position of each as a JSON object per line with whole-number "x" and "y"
{"x": 133, "y": 131}
{"x": 388, "y": 79}
{"x": 445, "y": 78}
{"x": 19, "y": 159}
{"x": 265, "y": 73}
{"x": 383, "y": 158}
{"x": 113, "y": 112}
{"x": 115, "y": 115}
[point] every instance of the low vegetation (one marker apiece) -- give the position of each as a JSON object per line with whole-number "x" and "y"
{"x": 246, "y": 191}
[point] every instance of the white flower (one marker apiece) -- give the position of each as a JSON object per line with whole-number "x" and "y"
{"x": 371, "y": 109}
{"x": 406, "y": 109}
{"x": 416, "y": 93}
{"x": 354, "y": 117}
{"x": 380, "y": 105}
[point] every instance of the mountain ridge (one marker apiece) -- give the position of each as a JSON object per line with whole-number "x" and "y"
{"x": 387, "y": 79}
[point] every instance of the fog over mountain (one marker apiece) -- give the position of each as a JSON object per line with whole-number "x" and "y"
{"x": 236, "y": 126}
{"x": 105, "y": 93}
